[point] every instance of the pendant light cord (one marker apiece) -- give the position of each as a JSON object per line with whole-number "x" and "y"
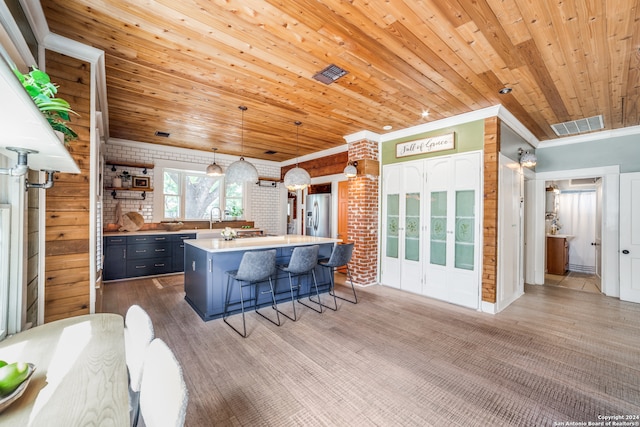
{"x": 243, "y": 109}
{"x": 297, "y": 123}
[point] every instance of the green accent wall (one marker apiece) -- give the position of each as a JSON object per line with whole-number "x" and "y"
{"x": 468, "y": 137}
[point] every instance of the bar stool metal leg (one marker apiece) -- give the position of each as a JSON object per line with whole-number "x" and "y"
{"x": 225, "y": 315}
{"x": 315, "y": 284}
{"x": 274, "y": 304}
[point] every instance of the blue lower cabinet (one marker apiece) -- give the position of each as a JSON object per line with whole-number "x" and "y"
{"x": 149, "y": 266}
{"x": 115, "y": 266}
{"x": 143, "y": 255}
{"x": 177, "y": 243}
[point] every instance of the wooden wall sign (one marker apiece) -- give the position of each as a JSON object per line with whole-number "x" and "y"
{"x": 426, "y": 145}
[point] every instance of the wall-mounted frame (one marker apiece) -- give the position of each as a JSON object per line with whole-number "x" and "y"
{"x": 426, "y": 145}
{"x": 142, "y": 182}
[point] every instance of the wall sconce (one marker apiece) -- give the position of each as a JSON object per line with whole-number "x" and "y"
{"x": 527, "y": 159}
{"x": 351, "y": 170}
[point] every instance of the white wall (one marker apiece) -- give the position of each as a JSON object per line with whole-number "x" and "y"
{"x": 264, "y": 209}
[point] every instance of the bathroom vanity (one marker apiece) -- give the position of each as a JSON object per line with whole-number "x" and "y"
{"x": 557, "y": 253}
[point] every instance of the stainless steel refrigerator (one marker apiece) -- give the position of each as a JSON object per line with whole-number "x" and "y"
{"x": 318, "y": 215}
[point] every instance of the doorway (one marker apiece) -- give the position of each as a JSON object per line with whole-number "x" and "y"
{"x": 609, "y": 201}
{"x": 573, "y": 224}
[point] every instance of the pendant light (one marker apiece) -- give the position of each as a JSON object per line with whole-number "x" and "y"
{"x": 213, "y": 169}
{"x": 241, "y": 170}
{"x": 297, "y": 178}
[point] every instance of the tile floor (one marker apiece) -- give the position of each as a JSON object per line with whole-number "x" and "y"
{"x": 573, "y": 280}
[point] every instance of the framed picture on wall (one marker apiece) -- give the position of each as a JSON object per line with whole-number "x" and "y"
{"x": 141, "y": 182}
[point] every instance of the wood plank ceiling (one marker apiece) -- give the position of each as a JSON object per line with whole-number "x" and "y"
{"x": 185, "y": 66}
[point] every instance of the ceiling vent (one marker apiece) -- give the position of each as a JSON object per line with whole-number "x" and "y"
{"x": 162, "y": 134}
{"x": 578, "y": 126}
{"x": 330, "y": 74}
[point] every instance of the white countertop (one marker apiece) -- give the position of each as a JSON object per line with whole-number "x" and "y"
{"x": 251, "y": 243}
{"x": 560, "y": 236}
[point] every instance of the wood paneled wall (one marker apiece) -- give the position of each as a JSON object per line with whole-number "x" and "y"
{"x": 328, "y": 165}
{"x": 67, "y": 262}
{"x": 33, "y": 248}
{"x": 490, "y": 220}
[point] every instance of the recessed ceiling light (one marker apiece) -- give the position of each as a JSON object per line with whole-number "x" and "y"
{"x": 425, "y": 113}
{"x": 387, "y": 127}
{"x": 505, "y": 90}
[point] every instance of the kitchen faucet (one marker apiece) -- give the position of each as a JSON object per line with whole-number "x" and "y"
{"x": 211, "y": 216}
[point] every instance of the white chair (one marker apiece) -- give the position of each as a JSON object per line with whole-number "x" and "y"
{"x": 138, "y": 333}
{"x": 163, "y": 392}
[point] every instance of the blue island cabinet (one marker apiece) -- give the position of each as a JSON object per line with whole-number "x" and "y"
{"x": 208, "y": 260}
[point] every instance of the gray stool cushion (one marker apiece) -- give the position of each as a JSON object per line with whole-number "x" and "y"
{"x": 256, "y": 266}
{"x": 340, "y": 256}
{"x": 303, "y": 259}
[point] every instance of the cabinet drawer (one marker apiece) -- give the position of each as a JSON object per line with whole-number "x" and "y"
{"x": 181, "y": 237}
{"x": 115, "y": 240}
{"x": 147, "y": 267}
{"x": 149, "y": 238}
{"x": 149, "y": 250}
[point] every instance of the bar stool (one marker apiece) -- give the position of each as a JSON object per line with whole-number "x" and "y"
{"x": 303, "y": 261}
{"x": 255, "y": 267}
{"x": 340, "y": 257}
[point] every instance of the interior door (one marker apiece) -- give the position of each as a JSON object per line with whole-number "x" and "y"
{"x": 402, "y": 226}
{"x": 452, "y": 251}
{"x": 390, "y": 257}
{"x": 630, "y": 237}
{"x": 343, "y": 210}
{"x": 510, "y": 282}
{"x": 598, "y": 232}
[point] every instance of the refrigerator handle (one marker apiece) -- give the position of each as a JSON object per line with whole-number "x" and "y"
{"x": 316, "y": 214}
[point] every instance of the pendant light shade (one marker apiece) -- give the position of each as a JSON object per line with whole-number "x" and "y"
{"x": 297, "y": 178}
{"x": 213, "y": 169}
{"x": 242, "y": 170}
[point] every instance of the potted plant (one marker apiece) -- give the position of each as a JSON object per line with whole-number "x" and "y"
{"x": 235, "y": 212}
{"x": 56, "y": 110}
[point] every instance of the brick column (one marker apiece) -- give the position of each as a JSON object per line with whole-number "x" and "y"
{"x": 363, "y": 211}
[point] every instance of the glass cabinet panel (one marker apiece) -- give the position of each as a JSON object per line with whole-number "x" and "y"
{"x": 465, "y": 225}
{"x": 393, "y": 223}
{"x": 412, "y": 227}
{"x": 438, "y": 220}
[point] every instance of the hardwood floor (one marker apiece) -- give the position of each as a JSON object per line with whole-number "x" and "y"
{"x": 554, "y": 355}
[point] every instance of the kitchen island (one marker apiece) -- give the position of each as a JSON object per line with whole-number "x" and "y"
{"x": 208, "y": 260}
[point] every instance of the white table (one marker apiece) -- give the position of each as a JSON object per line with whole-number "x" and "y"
{"x": 80, "y": 377}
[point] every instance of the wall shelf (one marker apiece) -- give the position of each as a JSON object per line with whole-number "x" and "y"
{"x": 143, "y": 166}
{"x": 115, "y": 190}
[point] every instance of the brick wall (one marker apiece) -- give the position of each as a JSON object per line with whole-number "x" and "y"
{"x": 363, "y": 216}
{"x": 265, "y": 208}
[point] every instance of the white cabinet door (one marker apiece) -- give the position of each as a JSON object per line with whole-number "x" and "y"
{"x": 402, "y": 226}
{"x": 452, "y": 212}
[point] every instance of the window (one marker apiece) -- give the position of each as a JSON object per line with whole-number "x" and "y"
{"x": 189, "y": 195}
{"x": 233, "y": 199}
